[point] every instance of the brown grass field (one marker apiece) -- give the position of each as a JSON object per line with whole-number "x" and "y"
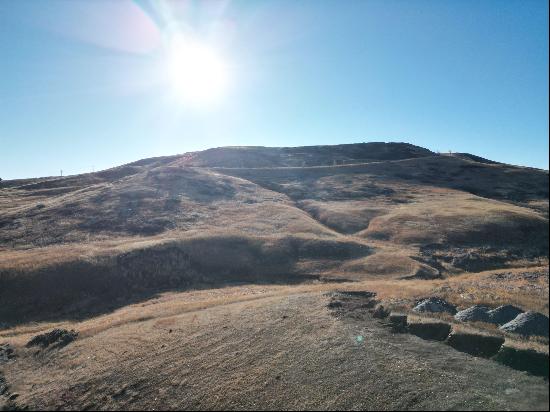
{"x": 200, "y": 280}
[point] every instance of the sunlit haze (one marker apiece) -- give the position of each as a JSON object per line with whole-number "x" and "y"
{"x": 196, "y": 72}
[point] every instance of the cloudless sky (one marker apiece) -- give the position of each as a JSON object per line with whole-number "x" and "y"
{"x": 81, "y": 82}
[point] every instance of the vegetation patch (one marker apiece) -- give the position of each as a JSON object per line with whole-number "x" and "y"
{"x": 56, "y": 338}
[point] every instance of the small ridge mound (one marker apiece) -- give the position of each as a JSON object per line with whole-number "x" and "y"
{"x": 352, "y": 304}
{"x": 528, "y": 324}
{"x": 430, "y": 330}
{"x": 528, "y": 360}
{"x": 475, "y": 344}
{"x": 357, "y": 293}
{"x": 477, "y": 313}
{"x": 434, "y": 305}
{"x": 504, "y": 314}
{"x": 56, "y": 337}
{"x": 424, "y": 272}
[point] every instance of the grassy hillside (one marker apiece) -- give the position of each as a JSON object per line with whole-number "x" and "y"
{"x": 255, "y": 214}
{"x": 259, "y": 157}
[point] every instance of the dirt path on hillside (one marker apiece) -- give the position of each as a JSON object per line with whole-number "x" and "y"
{"x": 277, "y": 352}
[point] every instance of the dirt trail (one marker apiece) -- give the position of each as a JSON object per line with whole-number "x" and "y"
{"x": 278, "y": 351}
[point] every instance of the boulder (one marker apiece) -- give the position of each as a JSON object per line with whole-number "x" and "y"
{"x": 528, "y": 324}
{"x": 434, "y": 304}
{"x": 503, "y": 314}
{"x": 477, "y": 313}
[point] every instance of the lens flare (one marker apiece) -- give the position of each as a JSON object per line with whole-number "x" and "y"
{"x": 196, "y": 72}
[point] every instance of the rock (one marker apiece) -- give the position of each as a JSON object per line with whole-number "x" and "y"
{"x": 6, "y": 352}
{"x": 434, "y": 304}
{"x": 528, "y": 324}
{"x": 504, "y": 314}
{"x": 59, "y": 337}
{"x": 430, "y": 330}
{"x": 475, "y": 344}
{"x": 477, "y": 313}
{"x": 380, "y": 312}
{"x": 3, "y": 385}
{"x": 526, "y": 360}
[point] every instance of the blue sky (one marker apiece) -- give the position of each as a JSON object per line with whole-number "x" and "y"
{"x": 81, "y": 82}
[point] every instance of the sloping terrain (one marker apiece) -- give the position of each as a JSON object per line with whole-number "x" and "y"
{"x": 199, "y": 280}
{"x": 257, "y": 349}
{"x": 394, "y": 209}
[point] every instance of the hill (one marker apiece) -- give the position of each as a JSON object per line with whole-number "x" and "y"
{"x": 392, "y": 209}
{"x": 181, "y": 260}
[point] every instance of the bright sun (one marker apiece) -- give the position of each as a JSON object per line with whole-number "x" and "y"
{"x": 197, "y": 74}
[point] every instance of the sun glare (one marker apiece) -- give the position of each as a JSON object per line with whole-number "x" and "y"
{"x": 196, "y": 72}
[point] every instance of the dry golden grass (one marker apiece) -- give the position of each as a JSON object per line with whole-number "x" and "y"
{"x": 94, "y": 243}
{"x": 456, "y": 218}
{"x": 486, "y": 288}
{"x": 166, "y": 306}
{"x": 274, "y": 347}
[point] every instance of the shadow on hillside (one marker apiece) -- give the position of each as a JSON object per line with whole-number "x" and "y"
{"x": 89, "y": 306}
{"x": 83, "y": 288}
